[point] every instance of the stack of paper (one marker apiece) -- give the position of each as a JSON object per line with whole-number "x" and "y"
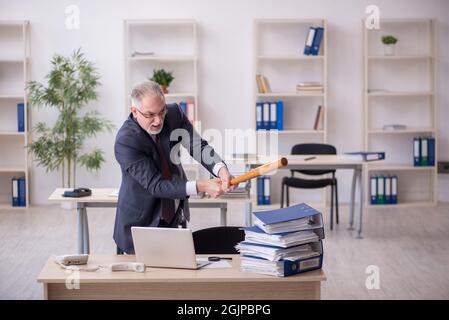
{"x": 283, "y": 241}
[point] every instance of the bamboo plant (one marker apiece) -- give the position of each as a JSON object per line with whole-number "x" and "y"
{"x": 71, "y": 84}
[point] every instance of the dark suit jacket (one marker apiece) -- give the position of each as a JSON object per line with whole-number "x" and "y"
{"x": 142, "y": 183}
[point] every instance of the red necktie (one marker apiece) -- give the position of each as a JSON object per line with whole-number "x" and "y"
{"x": 168, "y": 205}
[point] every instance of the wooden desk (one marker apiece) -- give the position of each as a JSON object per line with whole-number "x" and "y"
{"x": 101, "y": 198}
{"x": 174, "y": 284}
{"x": 321, "y": 162}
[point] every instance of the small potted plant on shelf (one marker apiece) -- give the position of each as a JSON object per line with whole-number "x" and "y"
{"x": 163, "y": 78}
{"x": 389, "y": 42}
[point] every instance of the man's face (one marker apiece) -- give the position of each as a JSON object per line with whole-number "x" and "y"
{"x": 151, "y": 114}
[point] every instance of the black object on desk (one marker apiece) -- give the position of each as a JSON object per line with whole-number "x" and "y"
{"x": 214, "y": 258}
{"x": 77, "y": 193}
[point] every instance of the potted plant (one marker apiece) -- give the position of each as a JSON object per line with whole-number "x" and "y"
{"x": 72, "y": 83}
{"x": 389, "y": 42}
{"x": 163, "y": 78}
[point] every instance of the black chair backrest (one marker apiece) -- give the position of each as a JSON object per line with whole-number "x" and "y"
{"x": 217, "y": 240}
{"x": 313, "y": 148}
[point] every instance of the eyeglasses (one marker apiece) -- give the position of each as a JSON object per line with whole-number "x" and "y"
{"x": 152, "y": 116}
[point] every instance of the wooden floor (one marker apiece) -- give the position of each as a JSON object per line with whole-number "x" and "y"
{"x": 409, "y": 246}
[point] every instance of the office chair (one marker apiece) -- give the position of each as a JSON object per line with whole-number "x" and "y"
{"x": 217, "y": 240}
{"x": 295, "y": 182}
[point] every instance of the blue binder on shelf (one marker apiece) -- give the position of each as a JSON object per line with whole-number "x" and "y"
{"x": 20, "y": 117}
{"x": 424, "y": 152}
{"x": 319, "y": 31}
{"x": 15, "y": 192}
{"x": 22, "y": 192}
{"x": 260, "y": 191}
{"x": 373, "y": 189}
{"x": 259, "y": 112}
{"x": 380, "y": 190}
{"x": 283, "y": 220}
{"x": 416, "y": 152}
{"x": 388, "y": 190}
{"x": 266, "y": 116}
{"x": 431, "y": 151}
{"x": 273, "y": 115}
{"x": 266, "y": 190}
{"x": 280, "y": 115}
{"x": 394, "y": 189}
{"x": 309, "y": 41}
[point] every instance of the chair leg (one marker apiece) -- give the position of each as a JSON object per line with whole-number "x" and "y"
{"x": 336, "y": 199}
{"x": 287, "y": 191}
{"x": 332, "y": 207}
{"x": 282, "y": 195}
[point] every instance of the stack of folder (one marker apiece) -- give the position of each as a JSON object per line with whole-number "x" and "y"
{"x": 313, "y": 41}
{"x": 384, "y": 189}
{"x": 424, "y": 152}
{"x": 283, "y": 242}
{"x": 270, "y": 115}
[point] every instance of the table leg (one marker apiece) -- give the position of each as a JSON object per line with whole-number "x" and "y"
{"x": 80, "y": 229}
{"x": 249, "y": 214}
{"x": 361, "y": 204}
{"x": 223, "y": 212}
{"x": 352, "y": 202}
{"x": 86, "y": 232}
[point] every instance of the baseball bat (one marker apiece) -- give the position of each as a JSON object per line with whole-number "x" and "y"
{"x": 263, "y": 169}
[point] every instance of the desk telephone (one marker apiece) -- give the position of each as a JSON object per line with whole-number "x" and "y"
{"x": 77, "y": 193}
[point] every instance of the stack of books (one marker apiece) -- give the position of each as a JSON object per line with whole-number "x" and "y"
{"x": 283, "y": 242}
{"x": 262, "y": 84}
{"x": 309, "y": 87}
{"x": 424, "y": 152}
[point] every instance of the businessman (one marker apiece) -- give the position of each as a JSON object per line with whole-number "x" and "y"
{"x": 154, "y": 190}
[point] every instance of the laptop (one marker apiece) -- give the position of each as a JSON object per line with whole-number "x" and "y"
{"x": 165, "y": 247}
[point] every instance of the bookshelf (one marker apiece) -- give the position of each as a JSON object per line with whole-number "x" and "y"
{"x": 14, "y": 73}
{"x": 400, "y": 89}
{"x": 278, "y": 55}
{"x": 174, "y": 47}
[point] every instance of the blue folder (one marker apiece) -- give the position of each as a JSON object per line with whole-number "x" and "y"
{"x": 22, "y": 192}
{"x": 373, "y": 189}
{"x": 15, "y": 192}
{"x": 280, "y": 115}
{"x": 431, "y": 151}
{"x": 267, "y": 190}
{"x": 309, "y": 41}
{"x": 259, "y": 113}
{"x": 317, "y": 41}
{"x": 260, "y": 185}
{"x": 294, "y": 212}
{"x": 20, "y": 117}
{"x": 416, "y": 152}
{"x": 318, "y": 231}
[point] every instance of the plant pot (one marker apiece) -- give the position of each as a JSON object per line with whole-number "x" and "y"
{"x": 164, "y": 89}
{"x": 389, "y": 49}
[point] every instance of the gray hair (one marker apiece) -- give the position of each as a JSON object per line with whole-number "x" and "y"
{"x": 146, "y": 88}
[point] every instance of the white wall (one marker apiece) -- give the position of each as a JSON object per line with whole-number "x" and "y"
{"x": 225, "y": 37}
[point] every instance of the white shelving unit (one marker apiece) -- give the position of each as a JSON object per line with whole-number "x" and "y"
{"x": 400, "y": 89}
{"x": 14, "y": 73}
{"x": 278, "y": 55}
{"x": 174, "y": 46}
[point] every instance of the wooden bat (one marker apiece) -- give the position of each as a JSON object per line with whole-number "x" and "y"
{"x": 267, "y": 167}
